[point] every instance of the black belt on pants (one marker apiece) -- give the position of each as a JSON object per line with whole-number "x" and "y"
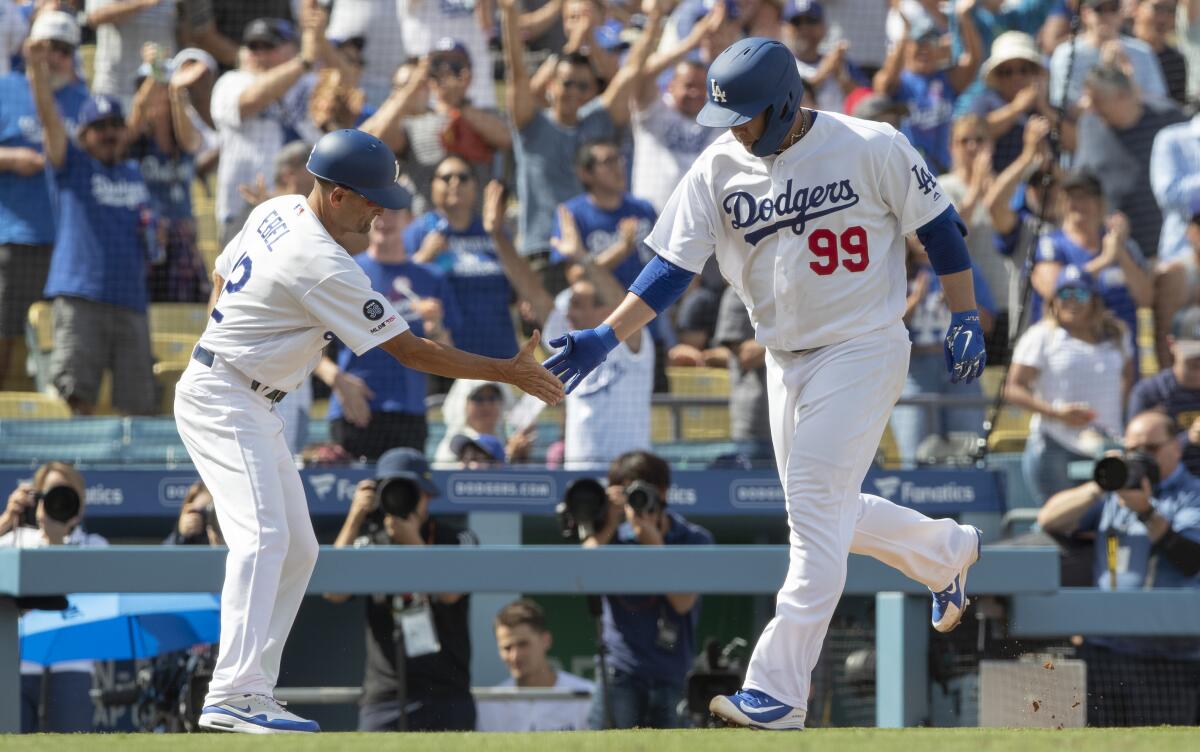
{"x": 205, "y": 356}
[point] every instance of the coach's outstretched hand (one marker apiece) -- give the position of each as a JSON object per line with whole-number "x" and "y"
{"x": 965, "y": 352}
{"x": 529, "y": 376}
{"x": 582, "y": 350}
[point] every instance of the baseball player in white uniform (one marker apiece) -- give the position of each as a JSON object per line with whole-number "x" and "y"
{"x": 807, "y": 214}
{"x": 283, "y": 287}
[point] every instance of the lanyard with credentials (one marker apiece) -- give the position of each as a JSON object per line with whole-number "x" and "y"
{"x": 415, "y": 629}
{"x": 667, "y": 637}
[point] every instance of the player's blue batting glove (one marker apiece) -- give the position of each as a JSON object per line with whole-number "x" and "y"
{"x": 582, "y": 350}
{"x": 965, "y": 353}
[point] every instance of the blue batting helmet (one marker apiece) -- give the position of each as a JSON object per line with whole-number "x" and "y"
{"x": 751, "y": 76}
{"x": 361, "y": 163}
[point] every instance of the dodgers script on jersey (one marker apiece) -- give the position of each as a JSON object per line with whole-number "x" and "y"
{"x": 288, "y": 288}
{"x": 812, "y": 240}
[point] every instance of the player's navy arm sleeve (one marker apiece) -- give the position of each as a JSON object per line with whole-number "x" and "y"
{"x": 661, "y": 283}
{"x": 943, "y": 240}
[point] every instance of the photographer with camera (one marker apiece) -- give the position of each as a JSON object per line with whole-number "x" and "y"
{"x": 1142, "y": 510}
{"x": 197, "y": 524}
{"x": 649, "y": 640}
{"x": 48, "y": 512}
{"x": 417, "y": 675}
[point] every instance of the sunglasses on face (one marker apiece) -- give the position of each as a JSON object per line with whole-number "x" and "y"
{"x": 483, "y": 398}
{"x": 1107, "y": 8}
{"x": 1016, "y": 70}
{"x": 451, "y": 67}
{"x": 612, "y": 161}
{"x": 1149, "y": 448}
{"x": 462, "y": 177}
{"x": 1075, "y": 294}
{"x": 577, "y": 85}
{"x": 62, "y": 48}
{"x": 971, "y": 140}
{"x": 806, "y": 21}
{"x": 261, "y": 46}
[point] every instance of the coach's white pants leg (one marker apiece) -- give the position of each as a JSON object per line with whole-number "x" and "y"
{"x": 237, "y": 445}
{"x": 828, "y": 410}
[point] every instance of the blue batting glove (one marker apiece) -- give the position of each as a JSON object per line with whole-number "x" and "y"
{"x": 965, "y": 352}
{"x": 582, "y": 351}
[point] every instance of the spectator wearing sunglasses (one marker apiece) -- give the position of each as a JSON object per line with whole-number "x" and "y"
{"x": 105, "y": 232}
{"x": 452, "y": 124}
{"x": 1016, "y": 90}
{"x": 263, "y": 105}
{"x": 1071, "y": 415}
{"x": 1102, "y": 42}
{"x": 26, "y": 218}
{"x": 451, "y": 238}
{"x": 1098, "y": 243}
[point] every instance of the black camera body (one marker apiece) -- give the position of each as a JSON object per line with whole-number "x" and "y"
{"x": 1125, "y": 471}
{"x": 643, "y": 497}
{"x": 583, "y": 510}
{"x": 62, "y": 504}
{"x": 398, "y": 497}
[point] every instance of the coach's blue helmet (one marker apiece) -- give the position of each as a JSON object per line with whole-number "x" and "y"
{"x": 361, "y": 163}
{"x": 751, "y": 76}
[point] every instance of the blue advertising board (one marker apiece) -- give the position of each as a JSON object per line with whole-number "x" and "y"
{"x": 129, "y": 492}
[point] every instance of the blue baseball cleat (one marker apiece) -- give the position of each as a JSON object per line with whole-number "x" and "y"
{"x": 254, "y": 714}
{"x": 751, "y": 708}
{"x": 950, "y": 603}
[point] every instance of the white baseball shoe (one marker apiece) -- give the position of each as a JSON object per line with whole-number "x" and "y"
{"x": 950, "y": 603}
{"x": 751, "y": 708}
{"x": 254, "y": 714}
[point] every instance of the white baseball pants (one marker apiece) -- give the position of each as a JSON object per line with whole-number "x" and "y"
{"x": 236, "y": 441}
{"x": 828, "y": 409}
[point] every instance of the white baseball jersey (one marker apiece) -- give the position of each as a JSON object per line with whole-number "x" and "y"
{"x": 288, "y": 288}
{"x": 812, "y": 240}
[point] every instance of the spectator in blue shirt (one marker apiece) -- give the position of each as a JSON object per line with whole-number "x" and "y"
{"x": 164, "y": 143}
{"x": 451, "y": 238}
{"x": 606, "y": 220}
{"x": 1145, "y": 537}
{"x": 912, "y": 74}
{"x": 1175, "y": 390}
{"x": 377, "y": 404}
{"x": 26, "y": 219}
{"x": 1100, "y": 246}
{"x": 105, "y": 225}
{"x": 993, "y": 20}
{"x": 649, "y": 639}
{"x": 1015, "y": 90}
{"x": 1175, "y": 178}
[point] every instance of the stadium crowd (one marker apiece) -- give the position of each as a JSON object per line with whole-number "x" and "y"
{"x": 539, "y": 139}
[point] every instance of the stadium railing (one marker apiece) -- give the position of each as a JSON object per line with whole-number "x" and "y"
{"x": 1027, "y": 577}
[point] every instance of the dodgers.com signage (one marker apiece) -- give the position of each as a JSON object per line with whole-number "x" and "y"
{"x": 116, "y": 492}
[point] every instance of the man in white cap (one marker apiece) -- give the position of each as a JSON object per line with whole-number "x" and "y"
{"x": 26, "y": 219}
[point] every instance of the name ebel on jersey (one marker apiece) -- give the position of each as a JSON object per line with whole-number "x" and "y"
{"x": 793, "y": 208}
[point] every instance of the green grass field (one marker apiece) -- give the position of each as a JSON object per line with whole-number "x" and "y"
{"x": 717, "y": 740}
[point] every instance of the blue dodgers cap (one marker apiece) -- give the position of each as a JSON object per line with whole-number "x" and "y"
{"x": 99, "y": 107}
{"x": 1072, "y": 276}
{"x": 485, "y": 442}
{"x": 797, "y": 9}
{"x": 449, "y": 45}
{"x": 403, "y": 462}
{"x": 271, "y": 30}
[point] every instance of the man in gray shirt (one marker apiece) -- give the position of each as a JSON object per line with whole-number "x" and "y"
{"x": 749, "y": 422}
{"x": 546, "y": 139}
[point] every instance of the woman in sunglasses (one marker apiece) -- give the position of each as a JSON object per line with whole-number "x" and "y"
{"x": 1073, "y": 371}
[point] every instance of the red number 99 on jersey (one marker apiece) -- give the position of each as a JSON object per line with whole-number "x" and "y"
{"x": 848, "y": 249}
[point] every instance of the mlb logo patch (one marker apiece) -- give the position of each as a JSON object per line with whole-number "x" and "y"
{"x": 298, "y": 209}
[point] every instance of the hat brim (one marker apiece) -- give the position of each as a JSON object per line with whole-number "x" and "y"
{"x": 425, "y": 485}
{"x": 718, "y": 116}
{"x": 395, "y": 196}
{"x": 1186, "y": 349}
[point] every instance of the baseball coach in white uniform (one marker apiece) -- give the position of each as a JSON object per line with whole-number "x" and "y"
{"x": 283, "y": 287}
{"x": 806, "y": 213}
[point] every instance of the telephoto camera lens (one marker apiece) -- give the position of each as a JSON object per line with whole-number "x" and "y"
{"x": 1125, "y": 471}
{"x": 398, "y": 496}
{"x": 582, "y": 510}
{"x": 643, "y": 497}
{"x": 61, "y": 503}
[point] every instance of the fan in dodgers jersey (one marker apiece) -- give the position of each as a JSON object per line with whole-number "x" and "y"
{"x": 807, "y": 214}
{"x": 286, "y": 285}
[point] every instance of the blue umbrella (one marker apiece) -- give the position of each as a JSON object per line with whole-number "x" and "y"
{"x": 118, "y": 626}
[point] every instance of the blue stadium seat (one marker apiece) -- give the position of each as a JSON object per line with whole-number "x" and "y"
{"x": 153, "y": 440}
{"x": 76, "y": 440}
